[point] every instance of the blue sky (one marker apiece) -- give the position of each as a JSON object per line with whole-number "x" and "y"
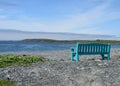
{"x": 74, "y": 16}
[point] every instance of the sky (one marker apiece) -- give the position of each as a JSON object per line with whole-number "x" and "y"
{"x": 73, "y": 16}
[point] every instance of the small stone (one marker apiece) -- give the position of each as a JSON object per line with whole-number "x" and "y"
{"x": 8, "y": 77}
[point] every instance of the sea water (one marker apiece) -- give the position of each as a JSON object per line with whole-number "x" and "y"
{"x": 20, "y": 46}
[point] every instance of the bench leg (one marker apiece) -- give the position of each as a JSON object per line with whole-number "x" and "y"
{"x": 73, "y": 56}
{"x": 108, "y": 56}
{"x": 77, "y": 58}
{"x": 102, "y": 56}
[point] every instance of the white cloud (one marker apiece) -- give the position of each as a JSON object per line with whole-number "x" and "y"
{"x": 85, "y": 22}
{"x": 91, "y": 18}
{"x": 3, "y": 17}
{"x": 20, "y": 25}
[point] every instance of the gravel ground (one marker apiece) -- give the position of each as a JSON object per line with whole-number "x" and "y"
{"x": 61, "y": 71}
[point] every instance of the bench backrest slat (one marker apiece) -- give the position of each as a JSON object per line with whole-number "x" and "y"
{"x": 92, "y": 48}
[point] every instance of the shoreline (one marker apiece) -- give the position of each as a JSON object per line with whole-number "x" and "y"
{"x": 62, "y": 54}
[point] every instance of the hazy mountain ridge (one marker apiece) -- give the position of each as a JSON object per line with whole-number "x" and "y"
{"x": 20, "y": 35}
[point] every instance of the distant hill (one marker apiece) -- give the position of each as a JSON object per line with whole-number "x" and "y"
{"x": 20, "y": 35}
{"x": 73, "y": 41}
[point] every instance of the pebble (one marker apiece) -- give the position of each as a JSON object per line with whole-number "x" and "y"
{"x": 61, "y": 71}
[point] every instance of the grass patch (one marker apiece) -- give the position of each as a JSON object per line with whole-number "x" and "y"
{"x": 118, "y": 57}
{"x": 11, "y": 60}
{"x": 6, "y": 83}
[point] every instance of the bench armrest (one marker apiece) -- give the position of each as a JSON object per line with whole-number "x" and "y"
{"x": 72, "y": 49}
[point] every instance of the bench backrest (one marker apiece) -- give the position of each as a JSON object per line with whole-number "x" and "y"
{"x": 93, "y": 48}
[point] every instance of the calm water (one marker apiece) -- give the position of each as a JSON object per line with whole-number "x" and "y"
{"x": 18, "y": 46}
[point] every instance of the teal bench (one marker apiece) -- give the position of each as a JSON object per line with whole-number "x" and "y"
{"x": 90, "y": 48}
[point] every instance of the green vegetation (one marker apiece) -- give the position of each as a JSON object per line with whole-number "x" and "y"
{"x": 6, "y": 83}
{"x": 73, "y": 41}
{"x": 11, "y": 60}
{"x": 118, "y": 57}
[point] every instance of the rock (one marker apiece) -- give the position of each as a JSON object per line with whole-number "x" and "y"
{"x": 86, "y": 72}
